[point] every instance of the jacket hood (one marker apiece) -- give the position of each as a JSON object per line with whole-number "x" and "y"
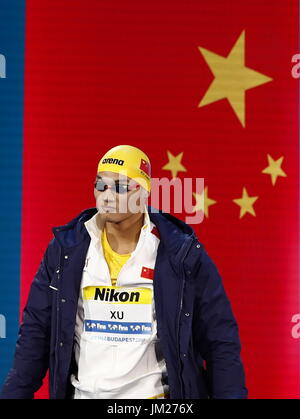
{"x": 173, "y": 231}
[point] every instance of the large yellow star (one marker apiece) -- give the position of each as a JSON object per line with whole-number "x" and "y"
{"x": 203, "y": 201}
{"x": 274, "y": 168}
{"x": 246, "y": 203}
{"x": 174, "y": 164}
{"x": 232, "y": 78}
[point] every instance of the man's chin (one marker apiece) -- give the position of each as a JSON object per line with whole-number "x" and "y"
{"x": 111, "y": 216}
{"x": 107, "y": 210}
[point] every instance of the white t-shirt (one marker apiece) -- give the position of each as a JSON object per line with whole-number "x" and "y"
{"x": 116, "y": 345}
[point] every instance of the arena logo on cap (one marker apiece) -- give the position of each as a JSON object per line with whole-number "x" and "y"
{"x": 113, "y": 161}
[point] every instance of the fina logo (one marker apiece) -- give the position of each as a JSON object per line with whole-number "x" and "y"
{"x": 2, "y": 327}
{"x": 2, "y": 67}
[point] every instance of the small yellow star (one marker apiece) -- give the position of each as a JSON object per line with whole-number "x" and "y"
{"x": 274, "y": 169}
{"x": 246, "y": 203}
{"x": 203, "y": 201}
{"x": 174, "y": 164}
{"x": 232, "y": 78}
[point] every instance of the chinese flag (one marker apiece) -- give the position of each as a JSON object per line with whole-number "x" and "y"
{"x": 205, "y": 89}
{"x": 145, "y": 166}
{"x": 147, "y": 273}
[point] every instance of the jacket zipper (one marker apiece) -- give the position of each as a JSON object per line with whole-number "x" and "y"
{"x": 57, "y": 323}
{"x": 179, "y": 313}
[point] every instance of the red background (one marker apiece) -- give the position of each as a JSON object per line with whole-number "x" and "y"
{"x": 99, "y": 74}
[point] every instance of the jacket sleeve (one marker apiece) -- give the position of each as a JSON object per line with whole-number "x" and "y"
{"x": 217, "y": 334}
{"x": 32, "y": 348}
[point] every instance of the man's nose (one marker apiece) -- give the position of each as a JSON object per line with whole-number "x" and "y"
{"x": 108, "y": 195}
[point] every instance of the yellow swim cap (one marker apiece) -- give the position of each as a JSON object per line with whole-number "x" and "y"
{"x": 129, "y": 161}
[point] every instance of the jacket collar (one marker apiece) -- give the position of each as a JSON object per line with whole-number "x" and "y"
{"x": 95, "y": 227}
{"x": 173, "y": 231}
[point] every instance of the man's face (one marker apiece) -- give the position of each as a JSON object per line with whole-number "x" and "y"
{"x": 113, "y": 206}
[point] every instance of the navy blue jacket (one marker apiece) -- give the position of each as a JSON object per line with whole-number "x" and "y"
{"x": 194, "y": 316}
